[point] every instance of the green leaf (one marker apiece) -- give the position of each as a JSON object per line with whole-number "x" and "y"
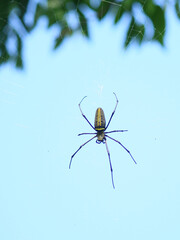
{"x": 119, "y": 14}
{"x": 158, "y": 20}
{"x": 124, "y": 6}
{"x": 103, "y": 10}
{"x": 18, "y": 56}
{"x": 177, "y": 8}
{"x": 19, "y": 63}
{"x": 58, "y": 41}
{"x": 149, "y": 8}
{"x": 141, "y": 32}
{"x": 66, "y": 31}
{"x": 52, "y": 18}
{"x": 83, "y": 23}
{"x": 127, "y": 5}
{"x": 135, "y": 32}
{"x": 4, "y": 57}
{"x": 40, "y": 11}
{"x": 157, "y": 16}
{"x": 130, "y": 33}
{"x": 23, "y": 8}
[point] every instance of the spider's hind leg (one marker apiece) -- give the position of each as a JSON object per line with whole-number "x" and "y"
{"x": 123, "y": 147}
{"x": 110, "y": 164}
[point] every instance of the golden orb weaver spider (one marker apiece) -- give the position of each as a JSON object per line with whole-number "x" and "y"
{"x": 100, "y": 128}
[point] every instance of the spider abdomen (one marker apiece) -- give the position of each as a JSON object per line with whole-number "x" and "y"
{"x": 100, "y": 121}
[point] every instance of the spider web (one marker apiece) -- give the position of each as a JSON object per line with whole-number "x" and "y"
{"x": 68, "y": 22}
{"x": 73, "y": 20}
{"x": 140, "y": 29}
{"x": 12, "y": 88}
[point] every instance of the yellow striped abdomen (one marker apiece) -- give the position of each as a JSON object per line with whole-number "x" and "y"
{"x": 99, "y": 122}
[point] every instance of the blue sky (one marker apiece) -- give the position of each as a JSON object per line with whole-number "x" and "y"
{"x": 40, "y": 198}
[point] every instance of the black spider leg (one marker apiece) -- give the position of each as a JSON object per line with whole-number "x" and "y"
{"x": 110, "y": 164}
{"x": 117, "y": 131}
{"x": 83, "y": 113}
{"x": 79, "y": 149}
{"x": 123, "y": 147}
{"x": 85, "y": 133}
{"x": 113, "y": 111}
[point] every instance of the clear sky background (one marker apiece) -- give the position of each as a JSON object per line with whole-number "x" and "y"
{"x": 40, "y": 198}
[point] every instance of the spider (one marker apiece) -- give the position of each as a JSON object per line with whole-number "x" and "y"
{"x": 101, "y": 134}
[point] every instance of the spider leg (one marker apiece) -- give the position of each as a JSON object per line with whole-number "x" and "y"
{"x": 123, "y": 147}
{"x": 83, "y": 113}
{"x": 110, "y": 164}
{"x": 117, "y": 131}
{"x": 85, "y": 133}
{"x": 113, "y": 111}
{"x": 79, "y": 149}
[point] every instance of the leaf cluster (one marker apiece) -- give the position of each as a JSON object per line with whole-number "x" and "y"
{"x": 146, "y": 21}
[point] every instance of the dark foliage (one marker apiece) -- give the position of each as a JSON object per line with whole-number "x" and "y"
{"x": 17, "y": 18}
